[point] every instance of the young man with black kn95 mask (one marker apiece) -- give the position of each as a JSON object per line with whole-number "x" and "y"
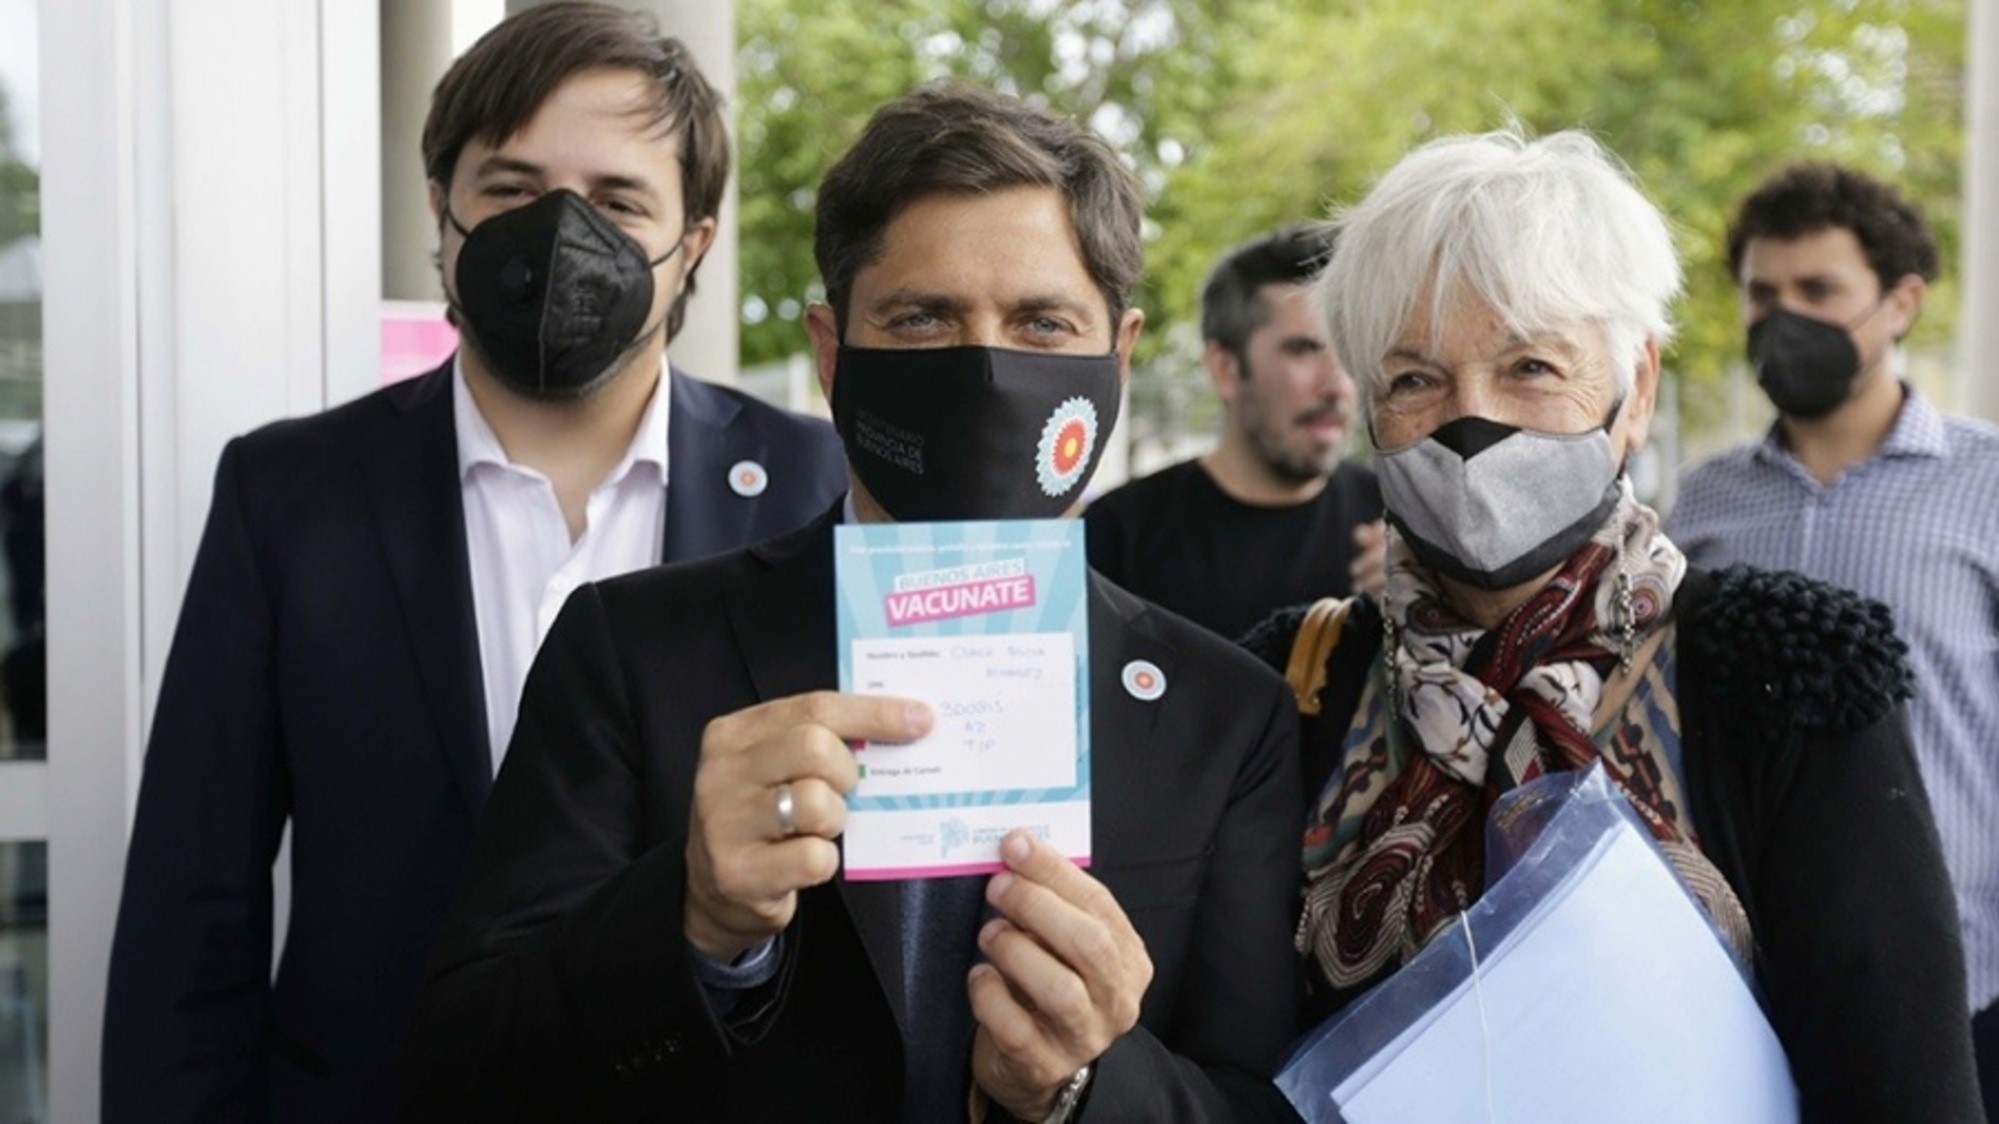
{"x": 374, "y": 581}
{"x": 1863, "y": 482}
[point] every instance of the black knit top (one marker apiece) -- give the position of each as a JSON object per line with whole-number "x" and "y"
{"x": 1804, "y": 793}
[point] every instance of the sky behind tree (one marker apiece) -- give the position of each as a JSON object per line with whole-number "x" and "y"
{"x": 20, "y": 77}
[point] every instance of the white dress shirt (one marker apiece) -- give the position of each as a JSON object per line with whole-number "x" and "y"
{"x": 524, "y": 565}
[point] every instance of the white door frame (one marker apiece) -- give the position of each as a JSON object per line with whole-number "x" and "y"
{"x": 210, "y": 221}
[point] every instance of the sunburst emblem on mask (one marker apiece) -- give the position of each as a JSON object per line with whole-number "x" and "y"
{"x": 1067, "y": 439}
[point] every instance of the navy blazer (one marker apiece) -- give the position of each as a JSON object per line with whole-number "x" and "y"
{"x": 326, "y": 671}
{"x": 562, "y": 989}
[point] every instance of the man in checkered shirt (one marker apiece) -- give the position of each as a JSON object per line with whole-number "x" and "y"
{"x": 1861, "y": 482}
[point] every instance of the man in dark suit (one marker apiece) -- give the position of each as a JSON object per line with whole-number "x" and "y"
{"x": 653, "y": 926}
{"x": 374, "y": 580}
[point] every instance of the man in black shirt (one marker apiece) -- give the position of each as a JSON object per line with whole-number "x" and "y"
{"x": 1273, "y": 516}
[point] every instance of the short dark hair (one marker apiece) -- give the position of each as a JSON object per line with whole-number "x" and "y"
{"x": 955, "y": 138}
{"x": 1811, "y": 196}
{"x": 1232, "y": 305}
{"x": 497, "y": 87}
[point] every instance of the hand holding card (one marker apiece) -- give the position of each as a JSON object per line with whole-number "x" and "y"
{"x": 1065, "y": 976}
{"x": 768, "y": 805}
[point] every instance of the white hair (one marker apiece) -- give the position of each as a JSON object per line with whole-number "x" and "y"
{"x": 1548, "y": 232}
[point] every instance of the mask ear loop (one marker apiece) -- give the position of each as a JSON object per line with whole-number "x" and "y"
{"x": 1610, "y": 423}
{"x": 653, "y": 264}
{"x": 1880, "y": 303}
{"x": 1616, "y": 408}
{"x": 449, "y": 285}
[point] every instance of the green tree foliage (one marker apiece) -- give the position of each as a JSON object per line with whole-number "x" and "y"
{"x": 20, "y": 187}
{"x": 1242, "y": 114}
{"x": 810, "y": 73}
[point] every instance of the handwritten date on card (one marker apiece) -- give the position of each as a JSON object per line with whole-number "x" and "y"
{"x": 1005, "y": 707}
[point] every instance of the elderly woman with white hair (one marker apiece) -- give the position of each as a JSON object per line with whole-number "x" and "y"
{"x": 1502, "y": 303}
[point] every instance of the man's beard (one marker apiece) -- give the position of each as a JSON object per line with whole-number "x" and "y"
{"x": 1291, "y": 465}
{"x": 1266, "y": 438}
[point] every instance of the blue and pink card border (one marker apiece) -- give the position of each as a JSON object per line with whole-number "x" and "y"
{"x": 868, "y": 559}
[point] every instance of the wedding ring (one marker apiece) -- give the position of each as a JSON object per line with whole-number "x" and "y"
{"x": 787, "y": 811}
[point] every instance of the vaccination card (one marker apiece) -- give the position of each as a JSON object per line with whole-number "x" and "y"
{"x": 987, "y": 622}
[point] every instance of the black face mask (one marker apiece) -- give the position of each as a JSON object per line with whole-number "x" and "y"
{"x": 552, "y": 295}
{"x": 1806, "y": 366}
{"x": 973, "y": 432}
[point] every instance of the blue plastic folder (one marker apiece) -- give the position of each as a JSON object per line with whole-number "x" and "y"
{"x": 1585, "y": 985}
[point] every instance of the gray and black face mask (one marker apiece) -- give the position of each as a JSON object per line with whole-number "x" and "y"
{"x": 1494, "y": 505}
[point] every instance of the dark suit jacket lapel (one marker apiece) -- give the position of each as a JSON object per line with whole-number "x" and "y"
{"x": 784, "y": 626}
{"x": 704, "y": 515}
{"x": 1121, "y": 725}
{"x": 413, "y": 483}
{"x": 784, "y": 622}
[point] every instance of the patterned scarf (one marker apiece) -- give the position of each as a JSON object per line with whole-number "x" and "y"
{"x": 1397, "y": 848}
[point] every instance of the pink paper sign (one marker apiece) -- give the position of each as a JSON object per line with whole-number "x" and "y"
{"x": 415, "y": 339}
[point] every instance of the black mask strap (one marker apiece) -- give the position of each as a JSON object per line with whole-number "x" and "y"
{"x": 678, "y": 243}
{"x": 1865, "y": 362}
{"x": 654, "y": 263}
{"x": 1879, "y": 303}
{"x": 449, "y": 284}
